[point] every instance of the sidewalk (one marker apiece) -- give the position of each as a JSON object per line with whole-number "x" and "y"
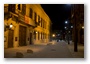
{"x": 56, "y": 50}
{"x": 79, "y": 53}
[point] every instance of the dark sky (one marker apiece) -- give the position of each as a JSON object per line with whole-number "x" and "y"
{"x": 58, "y": 13}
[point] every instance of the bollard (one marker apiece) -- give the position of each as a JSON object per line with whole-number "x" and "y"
{"x": 19, "y": 55}
{"x": 29, "y": 51}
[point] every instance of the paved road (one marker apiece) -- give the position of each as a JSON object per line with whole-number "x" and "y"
{"x": 56, "y": 50}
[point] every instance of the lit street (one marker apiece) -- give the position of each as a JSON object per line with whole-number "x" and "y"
{"x": 44, "y": 31}
{"x": 55, "y": 50}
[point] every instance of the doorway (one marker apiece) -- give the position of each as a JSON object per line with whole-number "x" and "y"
{"x": 22, "y": 35}
{"x": 10, "y": 38}
{"x": 30, "y": 38}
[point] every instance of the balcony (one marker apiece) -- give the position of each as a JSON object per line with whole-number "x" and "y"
{"x": 29, "y": 21}
{"x": 19, "y": 17}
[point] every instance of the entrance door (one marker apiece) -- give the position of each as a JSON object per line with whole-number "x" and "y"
{"x": 10, "y": 39}
{"x": 22, "y": 35}
{"x": 30, "y": 38}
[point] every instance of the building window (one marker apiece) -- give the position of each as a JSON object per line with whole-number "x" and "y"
{"x": 5, "y": 9}
{"x": 35, "y": 17}
{"x": 24, "y": 9}
{"x": 45, "y": 36}
{"x": 18, "y": 6}
{"x": 45, "y": 25}
{"x": 11, "y": 8}
{"x": 38, "y": 35}
{"x": 38, "y": 20}
{"x": 31, "y": 13}
{"x": 41, "y": 22}
{"x": 35, "y": 35}
{"x": 41, "y": 35}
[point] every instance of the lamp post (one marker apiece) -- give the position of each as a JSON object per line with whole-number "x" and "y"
{"x": 67, "y": 29}
{"x": 53, "y": 35}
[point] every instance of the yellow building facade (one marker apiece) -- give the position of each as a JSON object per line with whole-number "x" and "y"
{"x": 25, "y": 24}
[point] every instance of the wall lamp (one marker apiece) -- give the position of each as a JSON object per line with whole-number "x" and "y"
{"x": 7, "y": 27}
{"x": 82, "y": 27}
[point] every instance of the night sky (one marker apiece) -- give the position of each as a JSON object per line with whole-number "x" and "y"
{"x": 58, "y": 13}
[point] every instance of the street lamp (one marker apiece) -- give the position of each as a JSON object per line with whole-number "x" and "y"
{"x": 65, "y": 27}
{"x": 71, "y": 26}
{"x": 53, "y": 35}
{"x": 66, "y": 22}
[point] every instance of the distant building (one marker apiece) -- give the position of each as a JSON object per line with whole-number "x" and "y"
{"x": 77, "y": 19}
{"x": 25, "y": 24}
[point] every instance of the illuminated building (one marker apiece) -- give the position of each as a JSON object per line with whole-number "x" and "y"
{"x": 25, "y": 24}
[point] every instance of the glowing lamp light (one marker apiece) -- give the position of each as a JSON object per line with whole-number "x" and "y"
{"x": 11, "y": 25}
{"x": 53, "y": 35}
{"x": 66, "y": 22}
{"x": 69, "y": 31}
{"x": 71, "y": 26}
{"x": 36, "y": 32}
{"x": 82, "y": 27}
{"x": 65, "y": 27}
